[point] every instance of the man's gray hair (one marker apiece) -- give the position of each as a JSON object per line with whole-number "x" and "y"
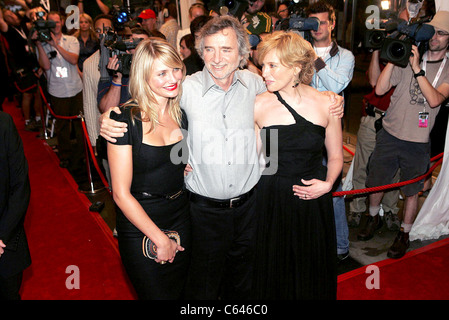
{"x": 220, "y": 23}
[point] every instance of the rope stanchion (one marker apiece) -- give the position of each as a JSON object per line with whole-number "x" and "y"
{"x": 94, "y": 159}
{"x": 88, "y": 146}
{"x": 51, "y": 110}
{"x": 393, "y": 185}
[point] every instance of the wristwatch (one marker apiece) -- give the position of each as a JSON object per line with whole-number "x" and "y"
{"x": 419, "y": 74}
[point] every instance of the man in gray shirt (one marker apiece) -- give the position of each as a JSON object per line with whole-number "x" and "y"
{"x": 219, "y": 103}
{"x": 59, "y": 58}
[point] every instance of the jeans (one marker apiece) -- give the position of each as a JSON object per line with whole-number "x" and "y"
{"x": 341, "y": 223}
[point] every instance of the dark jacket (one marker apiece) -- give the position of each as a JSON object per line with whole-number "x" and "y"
{"x": 14, "y": 199}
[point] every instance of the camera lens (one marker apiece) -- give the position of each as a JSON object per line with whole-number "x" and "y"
{"x": 376, "y": 38}
{"x": 397, "y": 50}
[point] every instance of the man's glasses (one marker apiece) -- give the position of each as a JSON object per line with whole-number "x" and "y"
{"x": 441, "y": 33}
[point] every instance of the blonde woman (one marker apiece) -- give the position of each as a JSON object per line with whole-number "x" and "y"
{"x": 88, "y": 39}
{"x": 147, "y": 173}
{"x": 296, "y": 249}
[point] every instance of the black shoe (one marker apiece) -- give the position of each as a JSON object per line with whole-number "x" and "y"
{"x": 371, "y": 225}
{"x": 354, "y": 219}
{"x": 342, "y": 256}
{"x": 392, "y": 221}
{"x": 400, "y": 245}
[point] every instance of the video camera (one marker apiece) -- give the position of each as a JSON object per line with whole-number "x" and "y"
{"x": 298, "y": 21}
{"x": 43, "y": 27}
{"x": 396, "y": 39}
{"x": 118, "y": 46}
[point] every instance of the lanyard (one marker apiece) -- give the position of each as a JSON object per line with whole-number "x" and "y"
{"x": 437, "y": 77}
{"x": 440, "y": 70}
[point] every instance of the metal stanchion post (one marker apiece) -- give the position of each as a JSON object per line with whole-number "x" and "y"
{"x": 90, "y": 187}
{"x": 43, "y": 135}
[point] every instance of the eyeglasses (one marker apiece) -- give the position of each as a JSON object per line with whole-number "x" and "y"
{"x": 442, "y": 33}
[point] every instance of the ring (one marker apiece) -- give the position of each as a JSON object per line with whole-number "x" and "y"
{"x": 305, "y": 196}
{"x": 162, "y": 262}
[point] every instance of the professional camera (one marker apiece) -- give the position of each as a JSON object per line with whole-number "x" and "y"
{"x": 118, "y": 46}
{"x": 396, "y": 40}
{"x": 298, "y": 21}
{"x": 43, "y": 27}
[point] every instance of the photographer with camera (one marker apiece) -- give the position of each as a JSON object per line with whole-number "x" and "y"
{"x": 59, "y": 58}
{"x": 23, "y": 64}
{"x": 115, "y": 92}
{"x": 403, "y": 143}
{"x": 374, "y": 108}
{"x": 334, "y": 67}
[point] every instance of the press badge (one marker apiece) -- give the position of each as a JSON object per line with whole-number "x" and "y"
{"x": 61, "y": 72}
{"x": 423, "y": 119}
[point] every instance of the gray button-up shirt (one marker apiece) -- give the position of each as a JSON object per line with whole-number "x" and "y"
{"x": 222, "y": 142}
{"x": 63, "y": 77}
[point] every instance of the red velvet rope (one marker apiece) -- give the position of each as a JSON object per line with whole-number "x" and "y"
{"x": 51, "y": 110}
{"x": 94, "y": 159}
{"x": 393, "y": 185}
{"x": 83, "y": 124}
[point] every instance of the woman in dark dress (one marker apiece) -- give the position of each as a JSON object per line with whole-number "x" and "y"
{"x": 147, "y": 173}
{"x": 296, "y": 249}
{"x": 88, "y": 39}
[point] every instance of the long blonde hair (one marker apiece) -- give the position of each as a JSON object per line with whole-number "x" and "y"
{"x": 292, "y": 50}
{"x": 143, "y": 99}
{"x": 92, "y": 34}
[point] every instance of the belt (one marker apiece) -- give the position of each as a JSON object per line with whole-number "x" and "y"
{"x": 217, "y": 203}
{"x": 147, "y": 195}
{"x": 371, "y": 110}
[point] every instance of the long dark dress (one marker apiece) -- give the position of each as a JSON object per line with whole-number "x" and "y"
{"x": 156, "y": 170}
{"x": 296, "y": 244}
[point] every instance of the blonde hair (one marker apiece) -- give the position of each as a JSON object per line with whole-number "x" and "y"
{"x": 292, "y": 50}
{"x": 142, "y": 97}
{"x": 92, "y": 33}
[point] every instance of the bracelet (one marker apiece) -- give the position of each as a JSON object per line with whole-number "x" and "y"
{"x": 116, "y": 84}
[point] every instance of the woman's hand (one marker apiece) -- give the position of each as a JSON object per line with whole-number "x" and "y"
{"x": 187, "y": 170}
{"x": 167, "y": 251}
{"x": 312, "y": 189}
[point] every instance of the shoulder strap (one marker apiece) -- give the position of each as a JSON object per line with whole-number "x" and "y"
{"x": 295, "y": 115}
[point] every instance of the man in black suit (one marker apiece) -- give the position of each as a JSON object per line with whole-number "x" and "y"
{"x": 14, "y": 199}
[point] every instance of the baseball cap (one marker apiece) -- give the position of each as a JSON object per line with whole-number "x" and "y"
{"x": 147, "y": 14}
{"x": 441, "y": 20}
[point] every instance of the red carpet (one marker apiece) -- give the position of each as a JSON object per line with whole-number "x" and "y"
{"x": 69, "y": 244}
{"x": 421, "y": 274}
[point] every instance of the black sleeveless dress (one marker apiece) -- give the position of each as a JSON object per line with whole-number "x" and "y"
{"x": 296, "y": 244}
{"x": 157, "y": 170}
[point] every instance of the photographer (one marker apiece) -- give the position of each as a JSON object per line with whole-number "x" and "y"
{"x": 22, "y": 61}
{"x": 334, "y": 67}
{"x": 59, "y": 58}
{"x": 403, "y": 143}
{"x": 117, "y": 88}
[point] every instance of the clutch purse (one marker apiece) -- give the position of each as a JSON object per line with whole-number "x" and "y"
{"x": 150, "y": 249}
